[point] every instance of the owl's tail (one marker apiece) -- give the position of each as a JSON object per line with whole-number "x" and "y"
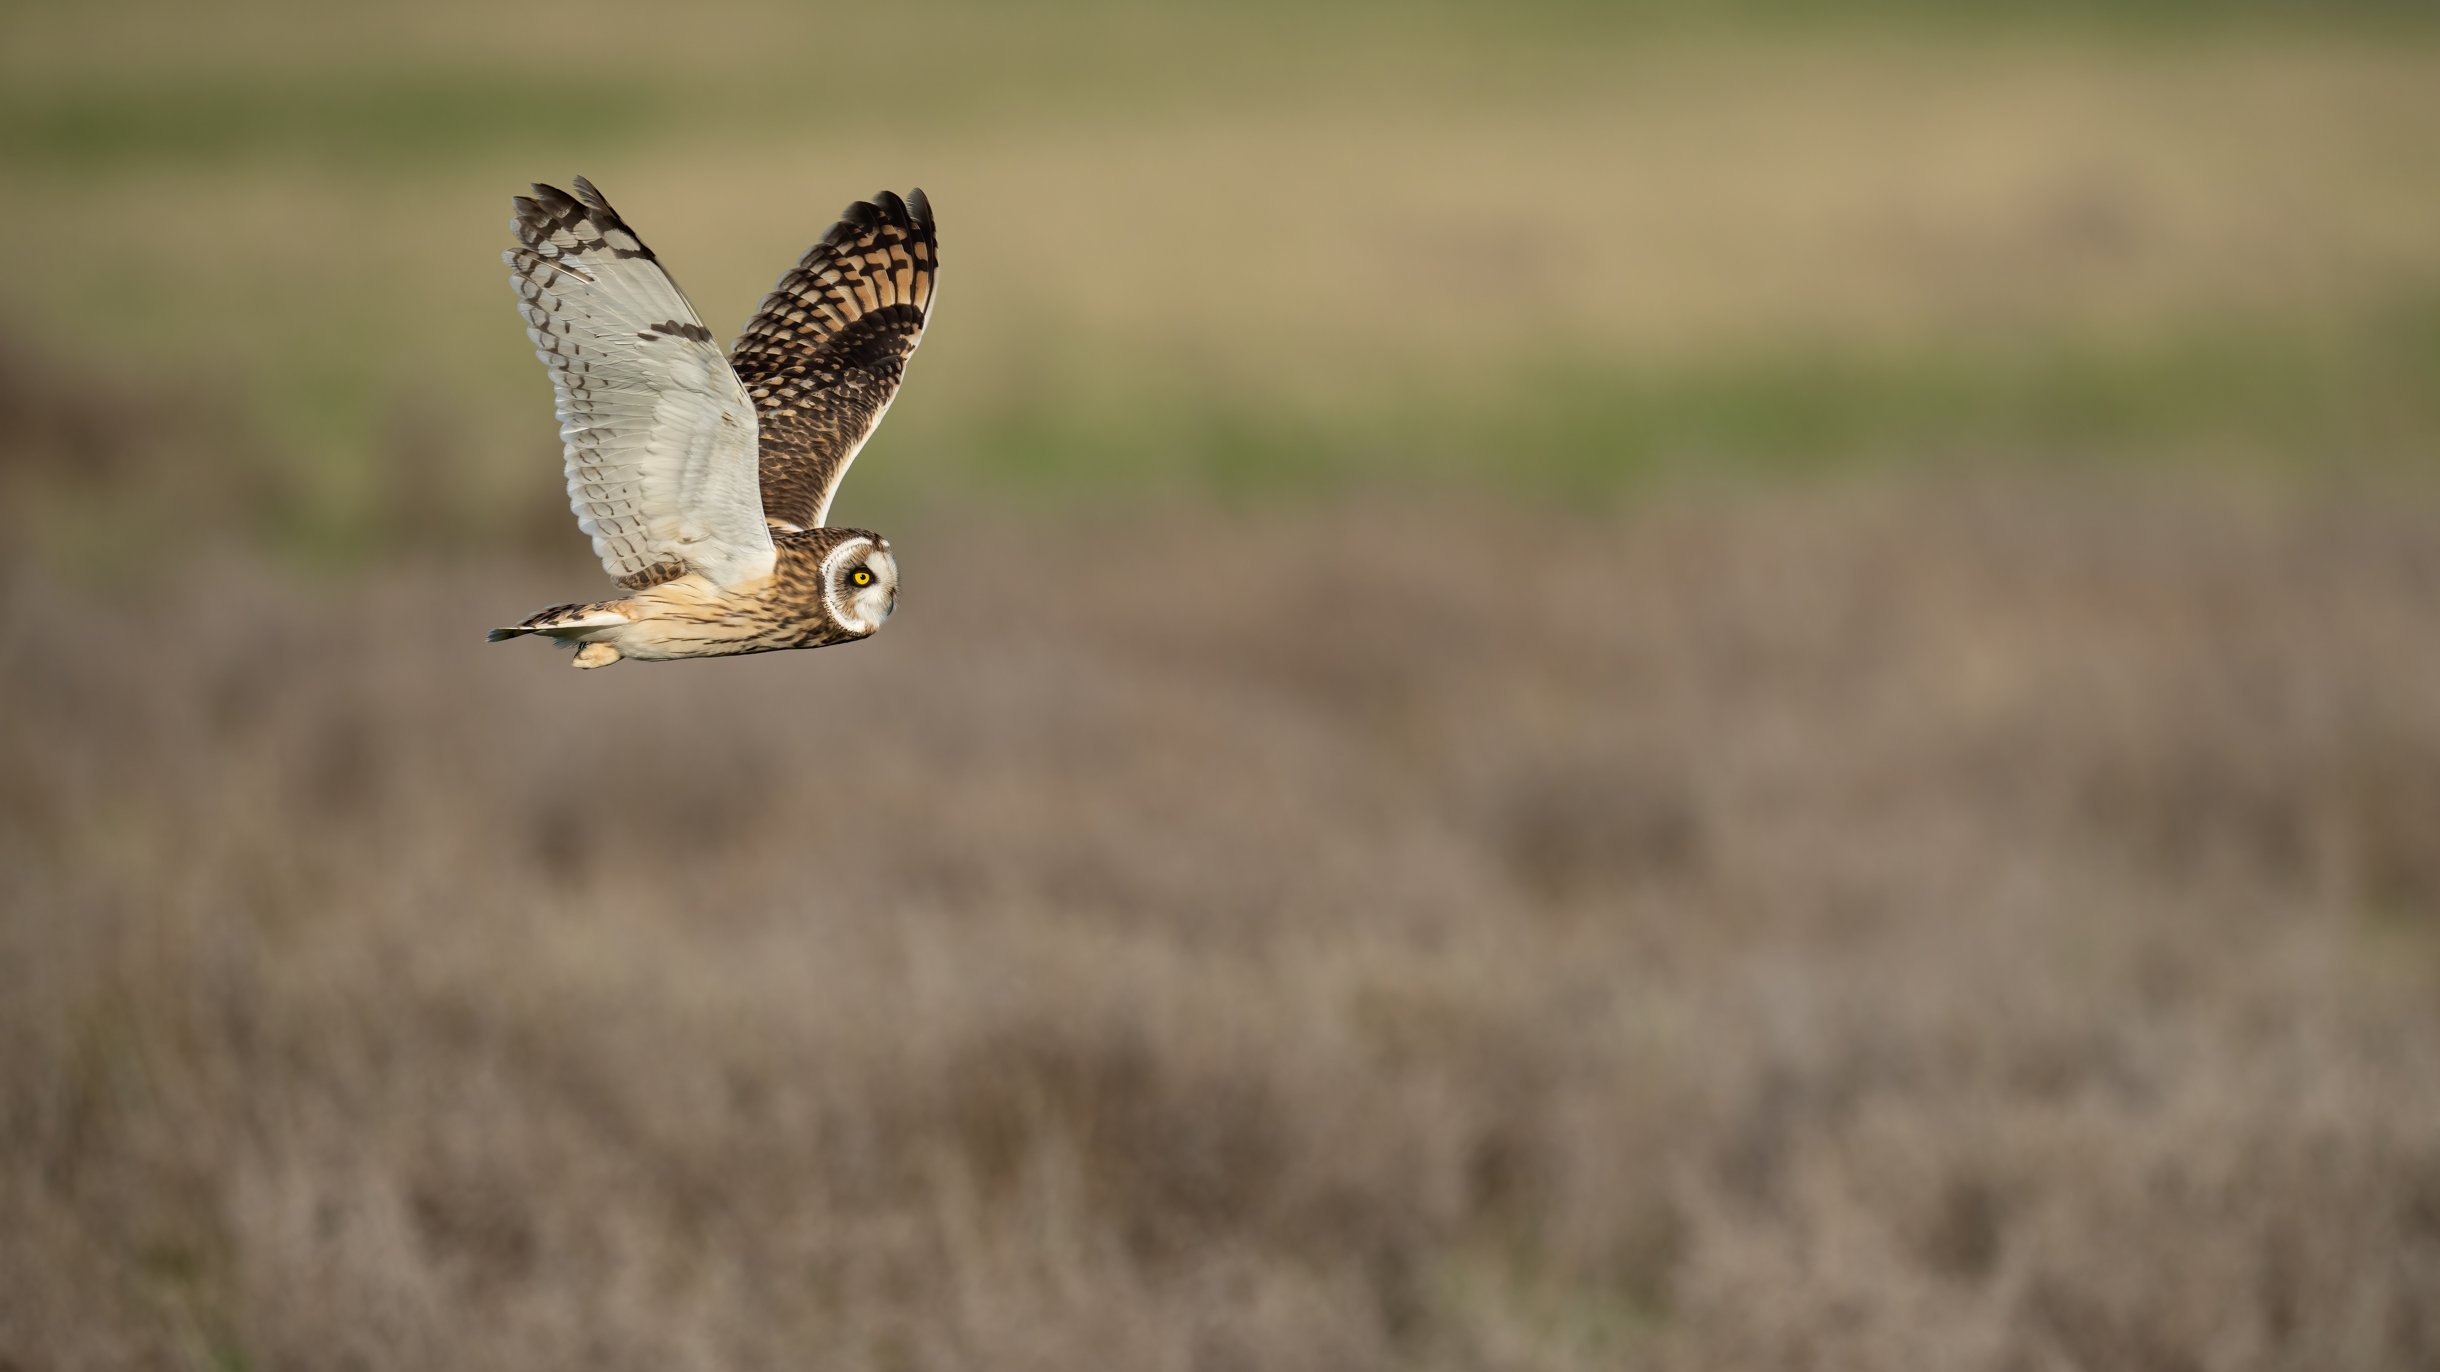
{"x": 565, "y": 621}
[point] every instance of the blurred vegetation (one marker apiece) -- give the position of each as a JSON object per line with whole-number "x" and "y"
{"x": 1987, "y": 919}
{"x": 1561, "y": 249}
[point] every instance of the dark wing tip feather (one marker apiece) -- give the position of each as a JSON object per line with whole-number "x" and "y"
{"x": 551, "y": 211}
{"x": 547, "y": 211}
{"x": 594, "y": 201}
{"x": 553, "y": 201}
{"x": 885, "y": 209}
{"x": 533, "y": 221}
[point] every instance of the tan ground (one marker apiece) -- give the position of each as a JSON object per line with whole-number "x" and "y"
{"x": 1992, "y": 927}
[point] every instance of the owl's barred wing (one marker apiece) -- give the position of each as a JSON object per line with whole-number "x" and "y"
{"x": 660, "y": 437}
{"x": 825, "y": 352}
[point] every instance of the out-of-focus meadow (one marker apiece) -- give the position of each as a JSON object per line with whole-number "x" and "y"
{"x": 1661, "y": 686}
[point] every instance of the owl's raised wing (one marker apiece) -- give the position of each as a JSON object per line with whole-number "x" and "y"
{"x": 824, "y": 354}
{"x": 660, "y": 437}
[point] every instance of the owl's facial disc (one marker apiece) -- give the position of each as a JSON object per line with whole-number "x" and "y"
{"x": 860, "y": 580}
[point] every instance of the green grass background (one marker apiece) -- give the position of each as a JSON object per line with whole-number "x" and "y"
{"x": 1263, "y": 251}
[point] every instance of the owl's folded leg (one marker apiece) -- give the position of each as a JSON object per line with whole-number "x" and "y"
{"x": 596, "y": 655}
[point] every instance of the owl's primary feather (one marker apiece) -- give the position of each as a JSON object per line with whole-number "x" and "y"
{"x": 711, "y": 515}
{"x": 825, "y": 352}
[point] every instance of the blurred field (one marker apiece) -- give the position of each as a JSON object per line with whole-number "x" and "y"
{"x": 1978, "y": 929}
{"x": 1670, "y": 686}
{"x": 1242, "y": 250}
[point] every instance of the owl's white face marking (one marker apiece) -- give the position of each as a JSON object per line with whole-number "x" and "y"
{"x": 860, "y": 584}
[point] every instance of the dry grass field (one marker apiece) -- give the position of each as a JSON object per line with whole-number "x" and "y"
{"x": 1580, "y": 687}
{"x": 1979, "y": 928}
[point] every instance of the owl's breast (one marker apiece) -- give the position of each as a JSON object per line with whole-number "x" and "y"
{"x": 691, "y": 617}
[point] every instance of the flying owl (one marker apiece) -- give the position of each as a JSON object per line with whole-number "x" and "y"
{"x": 705, "y": 480}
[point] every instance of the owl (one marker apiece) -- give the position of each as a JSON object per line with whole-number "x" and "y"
{"x": 705, "y": 480}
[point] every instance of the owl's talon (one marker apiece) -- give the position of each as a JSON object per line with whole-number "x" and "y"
{"x": 596, "y": 655}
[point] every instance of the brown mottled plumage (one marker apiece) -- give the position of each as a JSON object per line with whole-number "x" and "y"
{"x": 702, "y": 499}
{"x": 824, "y": 354}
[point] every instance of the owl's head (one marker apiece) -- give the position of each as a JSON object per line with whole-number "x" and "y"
{"x": 860, "y": 583}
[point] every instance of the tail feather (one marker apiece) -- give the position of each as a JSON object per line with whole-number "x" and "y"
{"x": 563, "y": 619}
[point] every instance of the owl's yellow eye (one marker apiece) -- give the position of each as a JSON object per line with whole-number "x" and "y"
{"x": 861, "y": 577}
